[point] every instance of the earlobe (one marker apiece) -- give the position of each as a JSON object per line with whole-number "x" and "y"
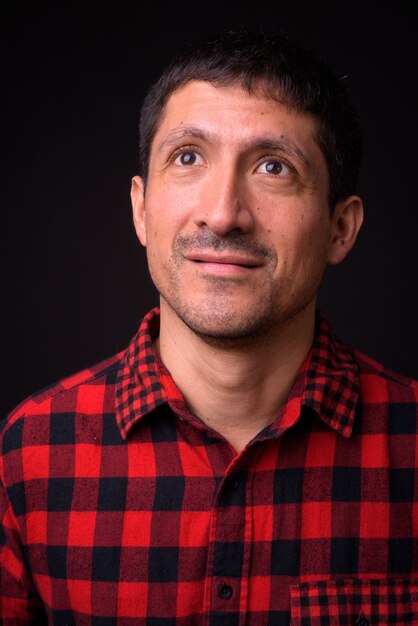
{"x": 138, "y": 208}
{"x": 346, "y": 223}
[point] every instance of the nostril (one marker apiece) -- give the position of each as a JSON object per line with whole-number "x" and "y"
{"x": 223, "y": 220}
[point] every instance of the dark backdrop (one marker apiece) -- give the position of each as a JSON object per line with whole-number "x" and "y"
{"x": 74, "y": 278}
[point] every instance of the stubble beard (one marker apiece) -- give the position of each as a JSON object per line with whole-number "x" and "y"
{"x": 217, "y": 319}
{"x": 221, "y": 324}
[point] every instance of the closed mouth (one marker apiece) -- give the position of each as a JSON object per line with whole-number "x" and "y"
{"x": 229, "y": 259}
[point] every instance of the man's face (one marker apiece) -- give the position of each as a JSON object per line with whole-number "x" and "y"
{"x": 235, "y": 216}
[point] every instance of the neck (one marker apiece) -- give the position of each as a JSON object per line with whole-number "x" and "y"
{"x": 236, "y": 389}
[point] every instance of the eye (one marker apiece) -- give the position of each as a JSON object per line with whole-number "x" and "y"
{"x": 188, "y": 157}
{"x": 274, "y": 167}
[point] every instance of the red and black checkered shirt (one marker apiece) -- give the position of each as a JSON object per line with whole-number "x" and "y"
{"x": 120, "y": 507}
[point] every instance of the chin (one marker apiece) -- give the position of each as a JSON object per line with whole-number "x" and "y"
{"x": 224, "y": 320}
{"x": 228, "y": 328}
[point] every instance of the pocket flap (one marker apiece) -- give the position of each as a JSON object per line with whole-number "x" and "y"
{"x": 355, "y": 602}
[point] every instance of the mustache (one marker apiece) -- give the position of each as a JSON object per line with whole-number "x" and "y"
{"x": 231, "y": 242}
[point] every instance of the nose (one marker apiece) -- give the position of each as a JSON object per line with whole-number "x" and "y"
{"x": 224, "y": 204}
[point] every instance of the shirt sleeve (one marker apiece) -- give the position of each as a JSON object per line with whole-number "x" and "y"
{"x": 20, "y": 605}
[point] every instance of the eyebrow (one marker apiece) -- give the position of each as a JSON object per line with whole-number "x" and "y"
{"x": 279, "y": 144}
{"x": 175, "y": 135}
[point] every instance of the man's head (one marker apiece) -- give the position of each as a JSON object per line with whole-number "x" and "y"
{"x": 269, "y": 63}
{"x": 233, "y": 204}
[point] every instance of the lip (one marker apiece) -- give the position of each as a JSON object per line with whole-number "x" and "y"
{"x": 230, "y": 260}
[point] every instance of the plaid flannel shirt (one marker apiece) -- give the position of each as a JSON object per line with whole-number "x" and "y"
{"x": 120, "y": 507}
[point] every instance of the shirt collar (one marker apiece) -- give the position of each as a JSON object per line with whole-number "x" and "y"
{"x": 332, "y": 379}
{"x": 327, "y": 381}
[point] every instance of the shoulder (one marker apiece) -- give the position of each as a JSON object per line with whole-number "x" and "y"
{"x": 84, "y": 389}
{"x": 380, "y": 384}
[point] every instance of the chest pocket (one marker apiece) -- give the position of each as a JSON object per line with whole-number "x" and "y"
{"x": 355, "y": 603}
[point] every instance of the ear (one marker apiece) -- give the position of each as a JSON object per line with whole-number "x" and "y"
{"x": 346, "y": 222}
{"x": 138, "y": 208}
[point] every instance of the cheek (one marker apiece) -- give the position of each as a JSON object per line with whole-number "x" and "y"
{"x": 168, "y": 210}
{"x": 302, "y": 240}
{"x": 163, "y": 224}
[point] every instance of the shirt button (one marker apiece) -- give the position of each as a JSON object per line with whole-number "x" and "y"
{"x": 362, "y": 621}
{"x": 225, "y": 591}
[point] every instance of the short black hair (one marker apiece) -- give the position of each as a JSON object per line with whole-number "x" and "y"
{"x": 268, "y": 62}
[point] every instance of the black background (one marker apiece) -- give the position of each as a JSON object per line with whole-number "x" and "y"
{"x": 74, "y": 278}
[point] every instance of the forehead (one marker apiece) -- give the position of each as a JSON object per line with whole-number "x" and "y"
{"x": 234, "y": 116}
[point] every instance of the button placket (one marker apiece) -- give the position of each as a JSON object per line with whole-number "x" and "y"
{"x": 231, "y": 525}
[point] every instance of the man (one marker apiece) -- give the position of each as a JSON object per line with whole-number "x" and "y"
{"x": 236, "y": 464}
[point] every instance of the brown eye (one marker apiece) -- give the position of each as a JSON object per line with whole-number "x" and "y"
{"x": 188, "y": 157}
{"x": 274, "y": 168}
